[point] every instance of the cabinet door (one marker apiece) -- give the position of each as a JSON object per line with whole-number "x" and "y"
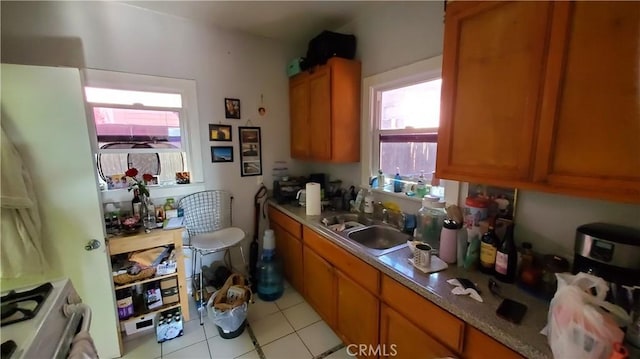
{"x": 294, "y": 252}
{"x": 401, "y": 337}
{"x": 319, "y": 129}
{"x": 357, "y": 312}
{"x": 319, "y": 285}
{"x": 493, "y": 62}
{"x": 299, "y": 116}
{"x": 345, "y": 110}
{"x": 479, "y": 346}
{"x": 282, "y": 250}
{"x": 590, "y": 138}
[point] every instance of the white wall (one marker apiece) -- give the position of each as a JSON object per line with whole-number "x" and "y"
{"x": 120, "y": 37}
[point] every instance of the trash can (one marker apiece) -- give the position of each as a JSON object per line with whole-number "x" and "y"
{"x": 229, "y": 313}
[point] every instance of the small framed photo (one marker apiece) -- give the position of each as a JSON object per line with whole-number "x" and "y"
{"x": 154, "y": 181}
{"x": 220, "y": 133}
{"x": 232, "y": 108}
{"x": 221, "y": 154}
{"x": 183, "y": 177}
{"x": 250, "y": 151}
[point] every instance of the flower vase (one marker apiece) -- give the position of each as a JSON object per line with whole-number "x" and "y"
{"x": 147, "y": 213}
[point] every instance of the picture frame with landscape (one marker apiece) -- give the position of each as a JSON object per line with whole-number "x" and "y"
{"x": 220, "y": 132}
{"x": 250, "y": 151}
{"x": 221, "y": 154}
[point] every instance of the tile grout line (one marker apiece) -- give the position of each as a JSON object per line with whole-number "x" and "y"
{"x": 256, "y": 345}
{"x": 330, "y": 351}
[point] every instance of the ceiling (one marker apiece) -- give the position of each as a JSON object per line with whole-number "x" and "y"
{"x": 289, "y": 21}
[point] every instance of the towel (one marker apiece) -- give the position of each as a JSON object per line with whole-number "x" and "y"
{"x": 21, "y": 241}
{"x": 82, "y": 347}
{"x": 460, "y": 290}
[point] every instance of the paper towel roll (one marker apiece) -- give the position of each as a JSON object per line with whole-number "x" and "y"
{"x": 313, "y": 199}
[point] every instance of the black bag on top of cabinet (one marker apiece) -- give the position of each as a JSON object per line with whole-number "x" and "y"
{"x": 327, "y": 45}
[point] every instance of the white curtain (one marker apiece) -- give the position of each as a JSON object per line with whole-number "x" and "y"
{"x": 20, "y": 245}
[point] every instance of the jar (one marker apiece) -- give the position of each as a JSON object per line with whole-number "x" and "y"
{"x": 430, "y": 219}
{"x": 169, "y": 204}
{"x": 476, "y": 210}
{"x": 552, "y": 264}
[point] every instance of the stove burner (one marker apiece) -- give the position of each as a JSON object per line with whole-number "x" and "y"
{"x": 17, "y": 307}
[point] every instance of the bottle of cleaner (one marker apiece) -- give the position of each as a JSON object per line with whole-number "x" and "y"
{"x": 397, "y": 181}
{"x": 380, "y": 180}
{"x": 421, "y": 187}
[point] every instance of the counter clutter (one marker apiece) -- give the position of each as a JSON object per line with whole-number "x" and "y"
{"x": 523, "y": 338}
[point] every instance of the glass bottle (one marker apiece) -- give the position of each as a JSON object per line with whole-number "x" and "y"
{"x": 507, "y": 258}
{"x": 269, "y": 268}
{"x": 136, "y": 203}
{"x": 148, "y": 213}
{"x": 488, "y": 249}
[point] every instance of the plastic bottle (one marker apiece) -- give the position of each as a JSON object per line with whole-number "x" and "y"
{"x": 397, "y": 181}
{"x": 270, "y": 283}
{"x": 430, "y": 219}
{"x": 507, "y": 258}
{"x": 488, "y": 249}
{"x": 421, "y": 187}
{"x": 380, "y": 180}
{"x": 368, "y": 202}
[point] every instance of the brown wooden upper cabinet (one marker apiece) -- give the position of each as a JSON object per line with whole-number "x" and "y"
{"x": 543, "y": 96}
{"x": 324, "y": 105}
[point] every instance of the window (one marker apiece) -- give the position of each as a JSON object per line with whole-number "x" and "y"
{"x": 402, "y": 118}
{"x": 407, "y": 128}
{"x": 141, "y": 121}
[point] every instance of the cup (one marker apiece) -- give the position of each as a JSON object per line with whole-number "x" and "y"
{"x": 422, "y": 255}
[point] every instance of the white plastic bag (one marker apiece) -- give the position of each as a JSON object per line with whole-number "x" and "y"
{"x": 228, "y": 320}
{"x": 578, "y": 327}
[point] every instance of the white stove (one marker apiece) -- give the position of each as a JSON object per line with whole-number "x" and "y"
{"x": 44, "y": 323}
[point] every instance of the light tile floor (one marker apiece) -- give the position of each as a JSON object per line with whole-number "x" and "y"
{"x": 286, "y": 328}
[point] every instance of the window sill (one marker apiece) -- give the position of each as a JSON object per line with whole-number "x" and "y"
{"x": 176, "y": 190}
{"x": 397, "y": 195}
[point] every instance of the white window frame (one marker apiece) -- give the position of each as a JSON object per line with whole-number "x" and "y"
{"x": 189, "y": 125}
{"x": 421, "y": 71}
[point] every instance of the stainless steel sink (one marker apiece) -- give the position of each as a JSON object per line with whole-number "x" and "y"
{"x": 379, "y": 239}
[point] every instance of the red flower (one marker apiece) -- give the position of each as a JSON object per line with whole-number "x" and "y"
{"x": 135, "y": 183}
{"x": 131, "y": 172}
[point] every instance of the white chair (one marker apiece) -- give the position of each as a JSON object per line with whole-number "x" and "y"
{"x": 208, "y": 222}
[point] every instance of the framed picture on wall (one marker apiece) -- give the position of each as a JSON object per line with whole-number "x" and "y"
{"x": 221, "y": 154}
{"x": 250, "y": 151}
{"x": 232, "y": 108}
{"x": 220, "y": 133}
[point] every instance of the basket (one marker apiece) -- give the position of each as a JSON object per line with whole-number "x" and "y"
{"x": 126, "y": 278}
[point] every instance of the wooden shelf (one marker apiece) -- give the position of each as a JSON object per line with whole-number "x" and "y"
{"x": 152, "y": 279}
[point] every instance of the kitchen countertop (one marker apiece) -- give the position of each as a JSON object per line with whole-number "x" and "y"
{"x": 524, "y": 338}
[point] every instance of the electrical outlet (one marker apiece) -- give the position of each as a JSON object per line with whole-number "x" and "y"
{"x": 259, "y": 178}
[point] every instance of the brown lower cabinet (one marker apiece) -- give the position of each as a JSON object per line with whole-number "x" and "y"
{"x": 319, "y": 286}
{"x": 400, "y": 338}
{"x": 373, "y": 314}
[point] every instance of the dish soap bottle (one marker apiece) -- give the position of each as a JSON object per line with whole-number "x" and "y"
{"x": 368, "y": 202}
{"x": 421, "y": 187}
{"x": 270, "y": 282}
{"x": 397, "y": 181}
{"x": 380, "y": 180}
